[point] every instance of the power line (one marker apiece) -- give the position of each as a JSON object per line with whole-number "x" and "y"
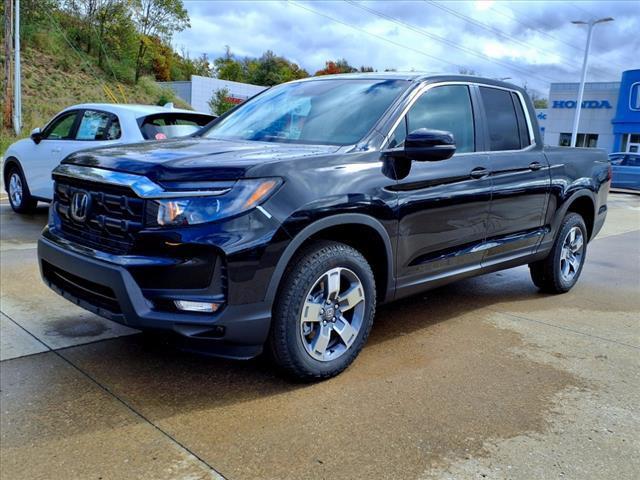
{"x": 449, "y": 42}
{"x": 547, "y": 34}
{"x": 57, "y": 26}
{"x": 379, "y": 37}
{"x": 489, "y": 28}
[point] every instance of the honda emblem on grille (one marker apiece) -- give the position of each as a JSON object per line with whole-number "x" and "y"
{"x": 80, "y": 204}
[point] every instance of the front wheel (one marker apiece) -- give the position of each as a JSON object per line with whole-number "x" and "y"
{"x": 560, "y": 271}
{"x": 324, "y": 311}
{"x": 19, "y": 196}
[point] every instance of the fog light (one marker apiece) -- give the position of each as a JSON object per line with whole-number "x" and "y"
{"x": 190, "y": 306}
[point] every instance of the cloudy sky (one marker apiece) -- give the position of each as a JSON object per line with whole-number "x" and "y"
{"x": 532, "y": 42}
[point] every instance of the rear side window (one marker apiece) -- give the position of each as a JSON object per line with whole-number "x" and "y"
{"x": 502, "y": 121}
{"x": 170, "y": 125}
{"x": 61, "y": 128}
{"x": 98, "y": 126}
{"x": 523, "y": 128}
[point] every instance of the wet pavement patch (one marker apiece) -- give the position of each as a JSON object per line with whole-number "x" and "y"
{"x": 434, "y": 381}
{"x": 75, "y": 328}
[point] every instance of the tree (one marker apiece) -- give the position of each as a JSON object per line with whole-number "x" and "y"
{"x": 468, "y": 71}
{"x": 228, "y": 68}
{"x": 270, "y": 69}
{"x": 334, "y": 67}
{"x": 157, "y": 18}
{"x": 220, "y": 102}
{"x": 536, "y": 97}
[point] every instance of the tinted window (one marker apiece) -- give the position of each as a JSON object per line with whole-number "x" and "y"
{"x": 631, "y": 161}
{"x": 523, "y": 128}
{"x": 61, "y": 128}
{"x": 332, "y": 112}
{"x": 501, "y": 119}
{"x": 445, "y": 108}
{"x": 170, "y": 125}
{"x": 98, "y": 126}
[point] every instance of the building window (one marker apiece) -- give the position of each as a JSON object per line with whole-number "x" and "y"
{"x": 630, "y": 142}
{"x": 589, "y": 140}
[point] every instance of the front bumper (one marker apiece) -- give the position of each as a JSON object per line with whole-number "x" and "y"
{"x": 108, "y": 289}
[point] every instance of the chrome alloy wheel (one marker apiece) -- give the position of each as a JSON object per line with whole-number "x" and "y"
{"x": 571, "y": 254}
{"x": 15, "y": 189}
{"x": 332, "y": 314}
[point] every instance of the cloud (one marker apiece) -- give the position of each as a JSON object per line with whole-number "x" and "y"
{"x": 532, "y": 42}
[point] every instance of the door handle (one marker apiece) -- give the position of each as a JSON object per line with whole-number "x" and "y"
{"x": 535, "y": 166}
{"x": 479, "y": 172}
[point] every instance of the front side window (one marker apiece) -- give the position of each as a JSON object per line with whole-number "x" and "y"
{"x": 98, "y": 126}
{"x": 502, "y": 121}
{"x": 61, "y": 128}
{"x": 329, "y": 112}
{"x": 445, "y": 108}
{"x": 631, "y": 161}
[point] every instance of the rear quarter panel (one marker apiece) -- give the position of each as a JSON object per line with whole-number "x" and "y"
{"x": 576, "y": 173}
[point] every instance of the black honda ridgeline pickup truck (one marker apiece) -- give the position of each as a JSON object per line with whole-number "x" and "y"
{"x": 282, "y": 224}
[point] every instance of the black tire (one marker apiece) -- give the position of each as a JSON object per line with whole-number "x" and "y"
{"x": 286, "y": 342}
{"x": 25, "y": 203}
{"x": 547, "y": 274}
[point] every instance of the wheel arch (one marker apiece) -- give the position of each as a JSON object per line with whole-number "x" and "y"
{"x": 344, "y": 228}
{"x": 583, "y": 204}
{"x": 8, "y": 163}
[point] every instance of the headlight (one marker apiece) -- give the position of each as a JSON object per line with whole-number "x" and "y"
{"x": 244, "y": 195}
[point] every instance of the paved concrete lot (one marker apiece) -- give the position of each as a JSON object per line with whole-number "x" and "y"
{"x": 485, "y": 378}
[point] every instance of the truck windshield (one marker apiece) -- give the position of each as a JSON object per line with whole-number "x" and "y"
{"x": 332, "y": 112}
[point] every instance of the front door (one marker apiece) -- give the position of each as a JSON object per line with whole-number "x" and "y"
{"x": 443, "y": 205}
{"x": 57, "y": 141}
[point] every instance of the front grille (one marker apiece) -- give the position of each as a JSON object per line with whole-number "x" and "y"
{"x": 91, "y": 292}
{"x": 115, "y": 214}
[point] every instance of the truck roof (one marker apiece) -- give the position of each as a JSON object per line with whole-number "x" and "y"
{"x": 414, "y": 77}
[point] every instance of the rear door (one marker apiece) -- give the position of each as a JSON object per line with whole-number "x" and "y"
{"x": 520, "y": 173}
{"x": 443, "y": 205}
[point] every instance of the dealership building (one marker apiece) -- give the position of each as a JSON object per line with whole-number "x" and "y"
{"x": 198, "y": 91}
{"x": 609, "y": 119}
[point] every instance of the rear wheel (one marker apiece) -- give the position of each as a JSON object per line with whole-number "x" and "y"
{"x": 560, "y": 271}
{"x": 19, "y": 196}
{"x": 324, "y": 311}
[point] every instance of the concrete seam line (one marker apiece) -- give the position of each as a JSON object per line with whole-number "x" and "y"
{"x": 28, "y": 332}
{"x": 120, "y": 400}
{"x": 578, "y": 332}
{"x": 139, "y": 414}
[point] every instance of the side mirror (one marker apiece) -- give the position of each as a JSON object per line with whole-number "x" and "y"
{"x": 36, "y": 135}
{"x": 426, "y": 145}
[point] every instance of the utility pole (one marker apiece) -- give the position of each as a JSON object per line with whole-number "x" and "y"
{"x": 7, "y": 112}
{"x": 576, "y": 120}
{"x": 17, "y": 84}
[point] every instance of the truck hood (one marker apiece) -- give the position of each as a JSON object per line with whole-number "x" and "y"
{"x": 194, "y": 159}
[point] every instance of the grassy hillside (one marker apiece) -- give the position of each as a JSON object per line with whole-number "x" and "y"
{"x": 55, "y": 80}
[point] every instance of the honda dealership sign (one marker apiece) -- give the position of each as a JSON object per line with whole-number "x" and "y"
{"x": 585, "y": 104}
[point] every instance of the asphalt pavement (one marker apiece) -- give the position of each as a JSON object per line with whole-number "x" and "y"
{"x": 484, "y": 378}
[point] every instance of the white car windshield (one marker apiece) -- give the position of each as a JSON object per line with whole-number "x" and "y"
{"x": 332, "y": 112}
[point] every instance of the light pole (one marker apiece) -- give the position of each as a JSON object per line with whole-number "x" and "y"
{"x": 576, "y": 120}
{"x": 17, "y": 82}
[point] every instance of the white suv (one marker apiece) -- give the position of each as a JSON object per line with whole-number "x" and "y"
{"x": 28, "y": 162}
